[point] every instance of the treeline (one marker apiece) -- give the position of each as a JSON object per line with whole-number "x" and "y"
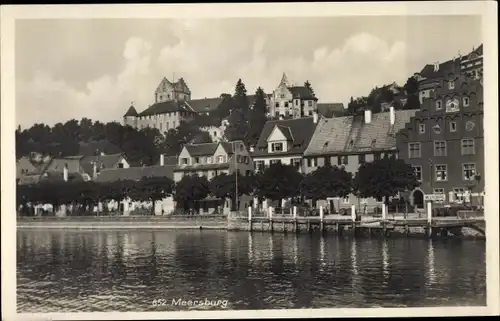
{"x": 380, "y": 179}
{"x": 378, "y": 96}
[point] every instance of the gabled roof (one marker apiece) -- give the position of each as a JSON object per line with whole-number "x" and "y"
{"x": 301, "y": 92}
{"x": 330, "y": 110}
{"x": 102, "y": 162}
{"x": 286, "y": 132}
{"x": 349, "y": 134}
{"x": 205, "y": 104}
{"x": 131, "y": 112}
{"x": 181, "y": 86}
{"x": 444, "y": 69}
{"x": 301, "y": 129}
{"x": 165, "y": 107}
{"x": 206, "y": 149}
{"x": 134, "y": 173}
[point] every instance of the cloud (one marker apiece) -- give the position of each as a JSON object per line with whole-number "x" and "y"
{"x": 211, "y": 57}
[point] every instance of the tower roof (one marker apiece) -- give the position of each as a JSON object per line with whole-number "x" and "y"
{"x": 284, "y": 80}
{"x": 131, "y": 112}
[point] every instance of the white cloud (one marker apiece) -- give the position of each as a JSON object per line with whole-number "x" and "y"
{"x": 211, "y": 64}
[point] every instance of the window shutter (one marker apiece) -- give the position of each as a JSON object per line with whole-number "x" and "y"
{"x": 451, "y": 195}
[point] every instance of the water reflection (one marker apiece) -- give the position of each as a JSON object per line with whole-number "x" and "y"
{"x": 122, "y": 270}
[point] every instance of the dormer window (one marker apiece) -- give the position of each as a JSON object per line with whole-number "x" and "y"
{"x": 466, "y": 101}
{"x": 209, "y": 160}
{"x": 439, "y": 104}
{"x": 451, "y": 84}
{"x": 184, "y": 161}
{"x": 221, "y": 159}
{"x": 277, "y": 147}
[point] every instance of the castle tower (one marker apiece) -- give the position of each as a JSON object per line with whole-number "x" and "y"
{"x": 130, "y": 117}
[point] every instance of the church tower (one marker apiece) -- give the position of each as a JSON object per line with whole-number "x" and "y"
{"x": 130, "y": 117}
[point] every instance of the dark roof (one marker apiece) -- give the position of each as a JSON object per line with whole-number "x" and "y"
{"x": 301, "y": 92}
{"x": 201, "y": 167}
{"x": 103, "y": 161}
{"x": 134, "y": 173}
{"x": 444, "y": 69}
{"x": 53, "y": 176}
{"x": 168, "y": 160}
{"x": 330, "y": 110}
{"x": 333, "y": 136}
{"x": 301, "y": 129}
{"x": 96, "y": 147}
{"x": 181, "y": 86}
{"x": 205, "y": 104}
{"x": 165, "y": 107}
{"x": 286, "y": 132}
{"x": 131, "y": 112}
{"x": 204, "y": 149}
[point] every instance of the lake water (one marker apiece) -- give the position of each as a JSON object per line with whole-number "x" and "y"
{"x": 72, "y": 271}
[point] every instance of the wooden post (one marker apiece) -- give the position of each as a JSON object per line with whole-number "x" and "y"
{"x": 429, "y": 218}
{"x": 295, "y": 218}
{"x": 384, "y": 217}
{"x": 321, "y": 217}
{"x": 271, "y": 209}
{"x": 353, "y": 218}
{"x": 250, "y": 218}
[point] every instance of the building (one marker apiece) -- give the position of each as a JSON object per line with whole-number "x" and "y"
{"x": 444, "y": 140}
{"x": 29, "y": 168}
{"x": 172, "y": 104}
{"x": 292, "y": 101}
{"x": 352, "y": 140}
{"x": 284, "y": 141}
{"x": 330, "y": 110}
{"x": 212, "y": 159}
{"x": 431, "y": 75}
{"x": 129, "y": 207}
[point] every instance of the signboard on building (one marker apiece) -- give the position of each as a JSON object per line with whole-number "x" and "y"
{"x": 434, "y": 197}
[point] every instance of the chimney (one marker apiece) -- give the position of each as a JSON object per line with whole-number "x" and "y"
{"x": 392, "y": 115}
{"x": 315, "y": 117}
{"x": 436, "y": 66}
{"x": 251, "y": 149}
{"x": 368, "y": 116}
{"x": 65, "y": 172}
{"x": 162, "y": 160}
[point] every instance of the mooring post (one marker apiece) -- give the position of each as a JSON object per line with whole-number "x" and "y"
{"x": 250, "y": 218}
{"x": 429, "y": 218}
{"x": 271, "y": 209}
{"x": 353, "y": 218}
{"x": 384, "y": 217}
{"x": 321, "y": 217}
{"x": 295, "y": 218}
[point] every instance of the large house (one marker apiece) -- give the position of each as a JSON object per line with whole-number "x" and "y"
{"x": 284, "y": 141}
{"x": 352, "y": 140}
{"x": 210, "y": 160}
{"x": 292, "y": 101}
{"x": 444, "y": 141}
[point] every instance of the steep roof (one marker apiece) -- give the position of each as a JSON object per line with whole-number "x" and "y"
{"x": 134, "y": 173}
{"x": 181, "y": 86}
{"x": 168, "y": 160}
{"x": 286, "y": 132}
{"x": 334, "y": 135}
{"x": 301, "y": 92}
{"x": 102, "y": 161}
{"x": 131, "y": 112}
{"x": 330, "y": 110}
{"x": 165, "y": 107}
{"x": 444, "y": 69}
{"x": 301, "y": 129}
{"x": 205, "y": 149}
{"x": 205, "y": 104}
{"x": 58, "y": 177}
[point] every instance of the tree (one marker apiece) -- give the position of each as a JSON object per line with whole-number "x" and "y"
{"x": 307, "y": 84}
{"x": 412, "y": 102}
{"x": 190, "y": 189}
{"x": 223, "y": 186}
{"x": 327, "y": 181}
{"x": 154, "y": 189}
{"x": 384, "y": 178}
{"x": 278, "y": 182}
{"x": 238, "y": 128}
{"x": 258, "y": 117}
{"x": 412, "y": 91}
{"x": 357, "y": 106}
{"x": 240, "y": 96}
{"x": 176, "y": 138}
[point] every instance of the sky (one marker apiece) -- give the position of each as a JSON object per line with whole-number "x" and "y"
{"x": 94, "y": 68}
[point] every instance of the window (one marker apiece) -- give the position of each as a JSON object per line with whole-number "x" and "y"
{"x": 469, "y": 171}
{"x": 286, "y": 104}
{"x": 439, "y": 105}
{"x": 221, "y": 159}
{"x": 196, "y": 160}
{"x": 453, "y": 126}
{"x": 275, "y": 161}
{"x": 277, "y": 104}
{"x": 342, "y": 160}
{"x": 439, "y": 191}
{"x": 441, "y": 173}
{"x": 312, "y": 162}
{"x": 451, "y": 84}
{"x": 418, "y": 172}
{"x": 259, "y": 165}
{"x": 458, "y": 194}
{"x": 468, "y": 146}
{"x": 282, "y": 96}
{"x": 310, "y": 113}
{"x": 440, "y": 148}
{"x": 277, "y": 147}
{"x": 345, "y": 200}
{"x": 297, "y": 162}
{"x": 277, "y": 114}
{"x": 361, "y": 159}
{"x": 209, "y": 160}
{"x": 309, "y": 103}
{"x": 120, "y": 165}
{"x": 466, "y": 101}
{"x": 377, "y": 156}
{"x": 414, "y": 150}
{"x": 184, "y": 161}
{"x": 215, "y": 134}
{"x": 327, "y": 160}
{"x": 421, "y": 128}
